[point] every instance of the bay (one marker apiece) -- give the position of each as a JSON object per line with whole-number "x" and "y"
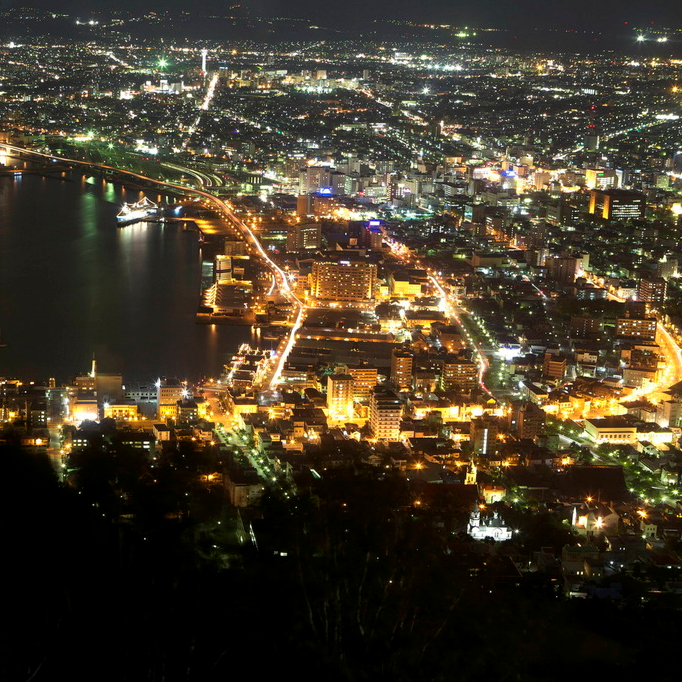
{"x": 72, "y": 284}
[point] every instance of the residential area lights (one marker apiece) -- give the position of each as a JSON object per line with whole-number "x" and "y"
{"x": 257, "y": 120}
{"x": 476, "y": 359}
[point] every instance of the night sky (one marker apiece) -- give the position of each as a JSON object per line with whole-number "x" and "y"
{"x": 501, "y": 13}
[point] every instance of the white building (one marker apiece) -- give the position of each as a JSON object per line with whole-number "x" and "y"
{"x": 385, "y": 412}
{"x": 494, "y": 527}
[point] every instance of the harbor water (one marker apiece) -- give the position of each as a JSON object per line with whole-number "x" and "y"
{"x": 72, "y": 284}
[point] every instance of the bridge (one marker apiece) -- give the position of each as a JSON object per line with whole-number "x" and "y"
{"x": 44, "y": 170}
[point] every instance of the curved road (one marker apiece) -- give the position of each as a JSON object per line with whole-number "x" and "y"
{"x": 672, "y": 373}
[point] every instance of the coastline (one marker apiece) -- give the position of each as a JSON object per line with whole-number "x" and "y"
{"x": 136, "y": 289}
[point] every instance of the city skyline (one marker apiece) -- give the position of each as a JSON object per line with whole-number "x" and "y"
{"x": 357, "y": 348}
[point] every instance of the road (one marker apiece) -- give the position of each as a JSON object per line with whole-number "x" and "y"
{"x": 204, "y": 179}
{"x": 672, "y": 373}
{"x": 451, "y": 310}
{"x": 210, "y": 91}
{"x": 229, "y": 435}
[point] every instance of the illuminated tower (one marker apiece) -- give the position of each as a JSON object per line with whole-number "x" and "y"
{"x": 204, "y": 55}
{"x": 471, "y": 475}
{"x": 591, "y": 138}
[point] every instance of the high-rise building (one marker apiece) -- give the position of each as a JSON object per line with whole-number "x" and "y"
{"x": 340, "y": 394}
{"x": 373, "y": 234}
{"x": 343, "y": 280}
{"x": 483, "y": 432}
{"x": 667, "y": 267}
{"x": 375, "y": 238}
{"x": 652, "y": 290}
{"x": 572, "y": 207}
{"x": 591, "y": 142}
{"x": 337, "y": 183}
{"x": 526, "y": 419}
{"x": 598, "y": 178}
{"x": 562, "y": 269}
{"x": 584, "y": 327}
{"x": 617, "y": 204}
{"x": 365, "y": 378}
{"x": 458, "y": 372}
{"x": 304, "y": 236}
{"x": 669, "y": 412}
{"x": 313, "y": 179}
{"x": 317, "y": 204}
{"x": 554, "y": 366}
{"x": 402, "y": 362}
{"x": 385, "y": 412}
{"x": 677, "y": 163}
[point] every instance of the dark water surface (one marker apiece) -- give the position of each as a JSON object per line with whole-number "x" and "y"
{"x": 73, "y": 283}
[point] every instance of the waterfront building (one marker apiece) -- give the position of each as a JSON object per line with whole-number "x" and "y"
{"x": 106, "y": 387}
{"x": 234, "y": 247}
{"x": 168, "y": 393}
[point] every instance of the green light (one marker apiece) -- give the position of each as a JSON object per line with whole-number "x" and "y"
{"x": 162, "y": 63}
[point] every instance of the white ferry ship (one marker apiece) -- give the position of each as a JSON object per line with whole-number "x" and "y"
{"x": 137, "y": 212}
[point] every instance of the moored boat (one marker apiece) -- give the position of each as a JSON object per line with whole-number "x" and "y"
{"x": 138, "y": 212}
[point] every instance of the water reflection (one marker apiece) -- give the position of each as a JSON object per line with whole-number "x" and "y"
{"x": 72, "y": 282}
